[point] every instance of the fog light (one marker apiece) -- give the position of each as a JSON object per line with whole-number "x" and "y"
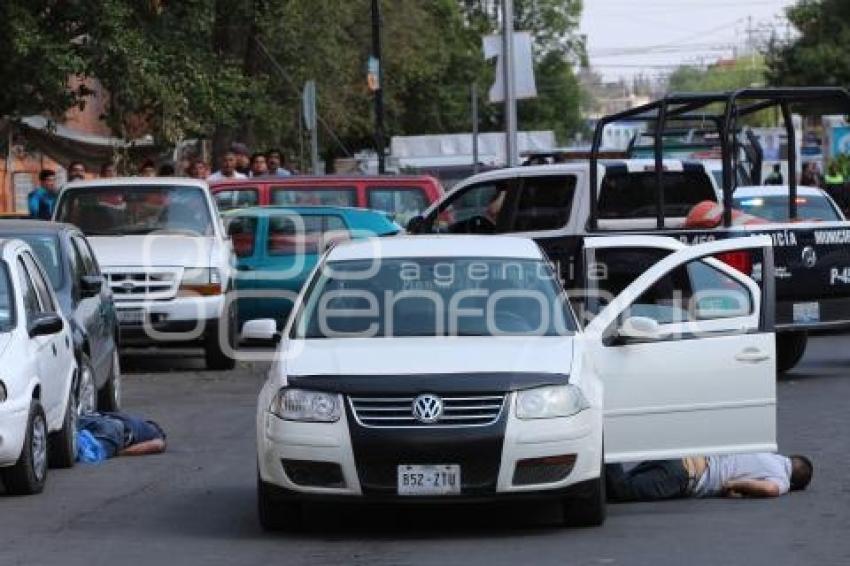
{"x": 314, "y": 474}
{"x": 550, "y": 469}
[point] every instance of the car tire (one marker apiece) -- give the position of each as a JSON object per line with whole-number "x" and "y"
{"x": 29, "y": 474}
{"x": 276, "y": 515}
{"x": 62, "y": 448}
{"x": 589, "y": 510}
{"x": 109, "y": 396}
{"x": 86, "y": 387}
{"x": 790, "y": 347}
{"x": 216, "y": 359}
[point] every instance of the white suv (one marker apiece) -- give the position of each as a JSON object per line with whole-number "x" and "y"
{"x": 38, "y": 389}
{"x": 446, "y": 368}
{"x": 164, "y": 253}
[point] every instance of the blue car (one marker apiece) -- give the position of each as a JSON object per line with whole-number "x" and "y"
{"x": 277, "y": 248}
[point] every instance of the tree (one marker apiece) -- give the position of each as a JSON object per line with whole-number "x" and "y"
{"x": 723, "y": 76}
{"x": 819, "y": 55}
{"x": 37, "y": 40}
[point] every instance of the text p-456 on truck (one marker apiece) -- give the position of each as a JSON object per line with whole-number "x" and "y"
{"x": 560, "y": 205}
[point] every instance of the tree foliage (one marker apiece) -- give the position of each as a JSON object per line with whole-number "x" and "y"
{"x": 819, "y": 55}
{"x": 235, "y": 68}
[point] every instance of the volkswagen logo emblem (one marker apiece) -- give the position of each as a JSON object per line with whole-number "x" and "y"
{"x": 428, "y": 408}
{"x": 810, "y": 258}
{"x": 128, "y": 285}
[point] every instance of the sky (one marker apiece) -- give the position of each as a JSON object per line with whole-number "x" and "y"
{"x": 630, "y": 37}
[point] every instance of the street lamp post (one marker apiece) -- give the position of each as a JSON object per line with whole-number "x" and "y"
{"x": 379, "y": 90}
{"x": 509, "y": 83}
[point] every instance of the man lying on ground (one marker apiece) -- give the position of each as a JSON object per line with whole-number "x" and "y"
{"x": 121, "y": 434}
{"x": 733, "y": 475}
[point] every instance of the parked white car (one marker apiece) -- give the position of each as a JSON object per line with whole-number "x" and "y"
{"x": 453, "y": 367}
{"x": 38, "y": 389}
{"x": 163, "y": 250}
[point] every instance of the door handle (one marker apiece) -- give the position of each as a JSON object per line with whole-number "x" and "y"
{"x": 752, "y": 355}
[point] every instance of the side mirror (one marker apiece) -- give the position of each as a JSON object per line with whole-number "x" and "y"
{"x": 45, "y": 324}
{"x": 90, "y": 285}
{"x": 260, "y": 332}
{"x": 415, "y": 224}
{"x": 636, "y": 328}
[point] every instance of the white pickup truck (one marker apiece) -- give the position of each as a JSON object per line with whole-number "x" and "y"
{"x": 166, "y": 257}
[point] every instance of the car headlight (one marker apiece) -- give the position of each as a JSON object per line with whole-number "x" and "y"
{"x": 550, "y": 402}
{"x": 307, "y": 406}
{"x": 202, "y": 281}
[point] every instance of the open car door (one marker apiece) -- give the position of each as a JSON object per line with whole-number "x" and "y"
{"x": 686, "y": 351}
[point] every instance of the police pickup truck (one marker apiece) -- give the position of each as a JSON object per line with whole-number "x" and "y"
{"x": 559, "y": 205}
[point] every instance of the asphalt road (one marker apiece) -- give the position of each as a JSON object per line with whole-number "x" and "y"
{"x": 195, "y": 504}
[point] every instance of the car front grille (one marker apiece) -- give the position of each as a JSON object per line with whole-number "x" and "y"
{"x": 141, "y": 284}
{"x": 459, "y": 410}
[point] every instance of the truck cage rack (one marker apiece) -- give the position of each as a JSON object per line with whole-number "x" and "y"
{"x": 724, "y": 110}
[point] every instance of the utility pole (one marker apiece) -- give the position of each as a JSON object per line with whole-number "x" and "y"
{"x": 474, "y": 104}
{"x": 379, "y": 91}
{"x": 509, "y": 83}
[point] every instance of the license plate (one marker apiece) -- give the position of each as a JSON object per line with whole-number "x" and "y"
{"x": 429, "y": 480}
{"x": 136, "y": 316}
{"x": 806, "y": 312}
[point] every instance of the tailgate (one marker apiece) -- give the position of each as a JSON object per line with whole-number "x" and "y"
{"x": 812, "y": 275}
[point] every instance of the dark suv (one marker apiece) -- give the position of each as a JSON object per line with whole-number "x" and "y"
{"x": 86, "y": 302}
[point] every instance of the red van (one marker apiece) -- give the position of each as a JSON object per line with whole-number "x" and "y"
{"x": 402, "y": 196}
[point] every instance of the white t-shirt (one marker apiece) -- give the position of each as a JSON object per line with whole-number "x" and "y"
{"x": 732, "y": 467}
{"x": 218, "y": 176}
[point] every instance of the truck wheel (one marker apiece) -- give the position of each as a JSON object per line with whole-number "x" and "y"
{"x": 215, "y": 357}
{"x": 589, "y": 510}
{"x": 29, "y": 473}
{"x": 276, "y": 515}
{"x": 109, "y": 397}
{"x": 790, "y": 347}
{"x": 62, "y": 449}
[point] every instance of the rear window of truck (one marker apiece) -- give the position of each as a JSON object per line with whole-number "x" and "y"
{"x": 632, "y": 195}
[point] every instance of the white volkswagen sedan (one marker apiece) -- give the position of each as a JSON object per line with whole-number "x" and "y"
{"x": 38, "y": 391}
{"x": 453, "y": 368}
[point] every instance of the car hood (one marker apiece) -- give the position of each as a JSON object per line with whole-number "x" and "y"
{"x": 158, "y": 250}
{"x": 418, "y": 356}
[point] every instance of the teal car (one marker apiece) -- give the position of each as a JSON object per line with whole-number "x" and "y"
{"x": 277, "y": 248}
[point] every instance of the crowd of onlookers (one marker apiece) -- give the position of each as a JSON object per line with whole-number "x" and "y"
{"x": 234, "y": 163}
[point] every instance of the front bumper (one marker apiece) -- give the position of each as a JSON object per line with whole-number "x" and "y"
{"x": 182, "y": 320}
{"x": 13, "y": 429}
{"x": 488, "y": 457}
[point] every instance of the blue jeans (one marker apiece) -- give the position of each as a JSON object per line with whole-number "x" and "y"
{"x": 648, "y": 481}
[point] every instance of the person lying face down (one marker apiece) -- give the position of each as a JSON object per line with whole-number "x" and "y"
{"x": 121, "y": 434}
{"x": 732, "y": 475}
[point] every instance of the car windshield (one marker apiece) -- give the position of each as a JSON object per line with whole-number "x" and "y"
{"x": 117, "y": 211}
{"x": 434, "y": 297}
{"x": 775, "y": 208}
{"x": 7, "y": 300}
{"x": 46, "y": 249}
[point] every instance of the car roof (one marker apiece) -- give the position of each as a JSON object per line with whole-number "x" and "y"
{"x": 35, "y": 227}
{"x": 454, "y": 246}
{"x": 302, "y": 209}
{"x": 138, "y": 182}
{"x": 305, "y": 179}
{"x": 775, "y": 190}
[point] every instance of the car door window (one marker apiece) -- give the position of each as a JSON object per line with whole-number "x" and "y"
{"x": 326, "y": 196}
{"x": 237, "y": 198}
{"x": 42, "y": 288}
{"x": 28, "y": 293}
{"x": 87, "y": 258}
{"x": 475, "y": 209}
{"x": 544, "y": 203}
{"x": 694, "y": 292}
{"x": 402, "y": 203}
{"x": 290, "y": 234}
{"x": 243, "y": 233}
